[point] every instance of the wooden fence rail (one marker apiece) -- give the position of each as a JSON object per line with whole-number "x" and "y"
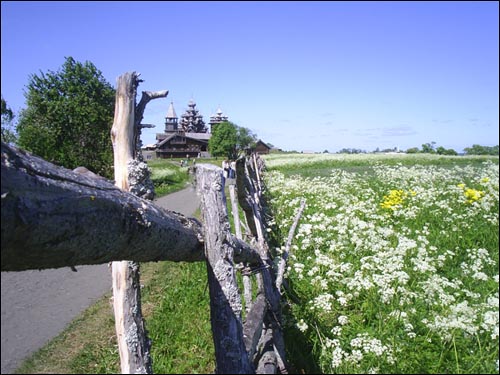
{"x": 53, "y": 217}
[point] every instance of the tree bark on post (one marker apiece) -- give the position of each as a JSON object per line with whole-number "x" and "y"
{"x": 133, "y": 343}
{"x": 235, "y": 211}
{"x": 225, "y": 301}
{"x": 247, "y": 281}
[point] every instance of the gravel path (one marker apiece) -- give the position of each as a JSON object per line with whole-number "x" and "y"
{"x": 37, "y": 305}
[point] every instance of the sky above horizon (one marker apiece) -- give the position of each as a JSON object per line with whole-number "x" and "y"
{"x": 304, "y": 76}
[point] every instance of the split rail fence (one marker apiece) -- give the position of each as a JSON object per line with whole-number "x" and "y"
{"x": 53, "y": 217}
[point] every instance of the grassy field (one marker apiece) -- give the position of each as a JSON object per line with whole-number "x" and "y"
{"x": 167, "y": 176}
{"x": 395, "y": 263}
{"x": 394, "y": 269}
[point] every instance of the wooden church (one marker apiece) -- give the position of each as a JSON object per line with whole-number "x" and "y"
{"x": 187, "y": 137}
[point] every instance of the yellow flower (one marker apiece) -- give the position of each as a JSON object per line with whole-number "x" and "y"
{"x": 461, "y": 186}
{"x": 393, "y": 199}
{"x": 485, "y": 179}
{"x": 473, "y": 195}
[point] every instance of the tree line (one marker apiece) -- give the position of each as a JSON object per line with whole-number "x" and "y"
{"x": 429, "y": 148}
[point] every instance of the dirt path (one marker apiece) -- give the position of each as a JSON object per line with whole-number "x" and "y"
{"x": 37, "y": 305}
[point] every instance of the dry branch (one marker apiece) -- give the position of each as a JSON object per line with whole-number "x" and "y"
{"x": 286, "y": 251}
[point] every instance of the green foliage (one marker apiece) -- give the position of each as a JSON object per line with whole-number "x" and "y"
{"x": 351, "y": 151}
{"x": 8, "y": 131}
{"x": 69, "y": 116}
{"x": 428, "y": 148}
{"x": 481, "y": 150}
{"x": 223, "y": 141}
{"x": 443, "y": 151}
{"x": 412, "y": 150}
{"x": 229, "y": 139}
{"x": 245, "y": 138}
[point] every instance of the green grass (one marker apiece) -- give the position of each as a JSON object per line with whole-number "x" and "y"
{"x": 168, "y": 176}
{"x": 180, "y": 325}
{"x": 314, "y": 165}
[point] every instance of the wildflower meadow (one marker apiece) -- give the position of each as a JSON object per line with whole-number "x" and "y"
{"x": 394, "y": 264}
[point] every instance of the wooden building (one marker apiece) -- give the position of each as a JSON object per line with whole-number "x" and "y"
{"x": 262, "y": 148}
{"x": 182, "y": 144}
{"x": 187, "y": 138}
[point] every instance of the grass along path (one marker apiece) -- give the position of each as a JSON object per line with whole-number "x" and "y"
{"x": 175, "y": 306}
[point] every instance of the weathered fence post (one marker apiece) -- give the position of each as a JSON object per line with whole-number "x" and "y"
{"x": 270, "y": 353}
{"x": 225, "y": 301}
{"x": 133, "y": 343}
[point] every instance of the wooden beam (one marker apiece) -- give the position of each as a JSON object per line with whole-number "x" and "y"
{"x": 53, "y": 217}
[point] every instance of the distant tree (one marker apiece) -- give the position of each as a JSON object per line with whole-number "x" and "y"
{"x": 325, "y": 152}
{"x": 351, "y": 151}
{"x": 229, "y": 139}
{"x": 481, "y": 150}
{"x": 443, "y": 151}
{"x": 224, "y": 140}
{"x": 69, "y": 116}
{"x": 245, "y": 138}
{"x": 8, "y": 129}
{"x": 440, "y": 150}
{"x": 450, "y": 151}
{"x": 412, "y": 150}
{"x": 428, "y": 148}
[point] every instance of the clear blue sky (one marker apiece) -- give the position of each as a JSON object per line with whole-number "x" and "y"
{"x": 301, "y": 75}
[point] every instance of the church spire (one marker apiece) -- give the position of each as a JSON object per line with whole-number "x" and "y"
{"x": 171, "y": 111}
{"x": 192, "y": 120}
{"x": 171, "y": 119}
{"x": 217, "y": 118}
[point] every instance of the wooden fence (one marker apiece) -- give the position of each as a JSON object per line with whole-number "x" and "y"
{"x": 53, "y": 217}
